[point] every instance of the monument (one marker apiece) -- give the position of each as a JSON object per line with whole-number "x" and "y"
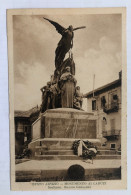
{"x": 62, "y": 119}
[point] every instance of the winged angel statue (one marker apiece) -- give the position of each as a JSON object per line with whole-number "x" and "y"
{"x": 66, "y": 42}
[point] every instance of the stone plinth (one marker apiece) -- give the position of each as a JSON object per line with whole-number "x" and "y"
{"x": 65, "y": 123}
{"x": 36, "y": 129}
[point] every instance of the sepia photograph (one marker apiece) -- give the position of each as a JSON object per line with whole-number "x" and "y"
{"x": 67, "y": 96}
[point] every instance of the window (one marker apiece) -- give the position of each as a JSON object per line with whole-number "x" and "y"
{"x": 113, "y": 99}
{"x": 112, "y": 121}
{"x": 93, "y": 104}
{"x": 103, "y": 101}
{"x": 103, "y": 125}
{"x": 113, "y": 146}
{"x": 25, "y": 128}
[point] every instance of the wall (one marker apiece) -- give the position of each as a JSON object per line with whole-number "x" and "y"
{"x": 113, "y": 141}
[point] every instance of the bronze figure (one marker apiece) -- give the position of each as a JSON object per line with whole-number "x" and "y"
{"x": 66, "y": 42}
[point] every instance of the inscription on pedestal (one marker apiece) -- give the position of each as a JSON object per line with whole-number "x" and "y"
{"x": 63, "y": 123}
{"x": 70, "y": 128}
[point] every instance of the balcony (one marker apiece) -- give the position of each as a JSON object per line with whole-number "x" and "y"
{"x": 113, "y": 107}
{"x": 111, "y": 133}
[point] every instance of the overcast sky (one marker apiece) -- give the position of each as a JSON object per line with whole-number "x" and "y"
{"x": 96, "y": 50}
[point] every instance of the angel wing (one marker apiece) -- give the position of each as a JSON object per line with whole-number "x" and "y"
{"x": 79, "y": 28}
{"x": 60, "y": 29}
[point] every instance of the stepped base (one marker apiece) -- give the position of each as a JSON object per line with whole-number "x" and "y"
{"x": 61, "y": 149}
{"x": 47, "y": 145}
{"x": 73, "y": 157}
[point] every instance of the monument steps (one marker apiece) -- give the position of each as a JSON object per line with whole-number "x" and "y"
{"x": 57, "y": 151}
{"x": 107, "y": 152}
{"x": 61, "y": 149}
{"x": 73, "y": 157}
{"x": 57, "y": 157}
{"x": 52, "y": 143}
{"x": 53, "y": 148}
{"x": 108, "y": 157}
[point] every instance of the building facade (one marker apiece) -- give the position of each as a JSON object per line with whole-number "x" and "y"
{"x": 105, "y": 103}
{"x": 23, "y": 121}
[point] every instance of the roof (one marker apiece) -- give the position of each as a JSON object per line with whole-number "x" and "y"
{"x": 104, "y": 88}
{"x": 26, "y": 114}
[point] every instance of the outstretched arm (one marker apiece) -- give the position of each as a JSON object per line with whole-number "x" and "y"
{"x": 79, "y": 28}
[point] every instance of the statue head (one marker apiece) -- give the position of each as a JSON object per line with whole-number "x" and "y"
{"x": 54, "y": 82}
{"x": 70, "y": 28}
{"x": 77, "y": 104}
{"x": 67, "y": 69}
{"x": 43, "y": 88}
{"x": 49, "y": 83}
{"x": 78, "y": 88}
{"x": 52, "y": 78}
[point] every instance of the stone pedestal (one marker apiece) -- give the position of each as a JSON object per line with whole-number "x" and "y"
{"x": 65, "y": 123}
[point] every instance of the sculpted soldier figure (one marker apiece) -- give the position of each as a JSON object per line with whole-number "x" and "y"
{"x": 46, "y": 97}
{"x": 78, "y": 100}
{"x": 66, "y": 42}
{"x": 54, "y": 94}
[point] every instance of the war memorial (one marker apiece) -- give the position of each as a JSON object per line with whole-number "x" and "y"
{"x": 63, "y": 124}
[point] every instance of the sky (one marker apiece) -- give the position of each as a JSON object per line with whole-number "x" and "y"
{"x": 96, "y": 50}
